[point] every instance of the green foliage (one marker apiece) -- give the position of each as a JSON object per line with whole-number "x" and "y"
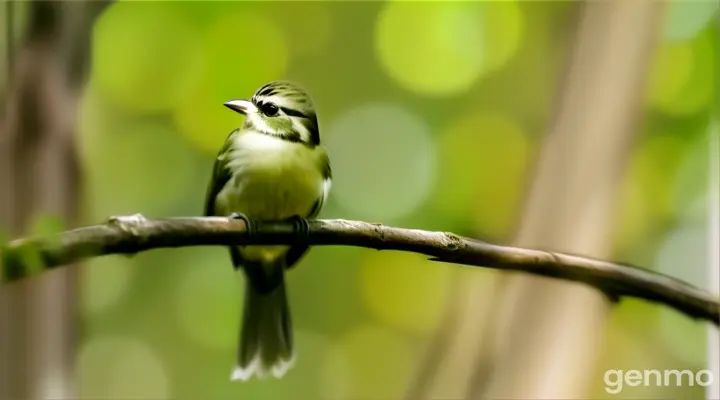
{"x": 46, "y": 225}
{"x": 28, "y": 259}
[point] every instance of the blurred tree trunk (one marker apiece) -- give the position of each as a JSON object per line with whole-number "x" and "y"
{"x": 544, "y": 336}
{"x": 549, "y": 333}
{"x": 40, "y": 175}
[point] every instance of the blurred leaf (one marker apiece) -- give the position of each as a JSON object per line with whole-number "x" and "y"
{"x": 24, "y": 261}
{"x": 47, "y": 225}
{"x": 27, "y": 260}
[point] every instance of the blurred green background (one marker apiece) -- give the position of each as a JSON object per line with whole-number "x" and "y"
{"x": 432, "y": 114}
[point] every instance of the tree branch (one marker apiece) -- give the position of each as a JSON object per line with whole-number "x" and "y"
{"x": 133, "y": 234}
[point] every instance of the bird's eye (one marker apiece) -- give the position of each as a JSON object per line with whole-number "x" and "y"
{"x": 269, "y": 109}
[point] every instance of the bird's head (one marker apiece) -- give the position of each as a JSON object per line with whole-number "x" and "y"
{"x": 282, "y": 109}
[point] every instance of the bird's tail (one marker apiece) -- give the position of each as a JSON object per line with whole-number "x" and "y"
{"x": 266, "y": 336}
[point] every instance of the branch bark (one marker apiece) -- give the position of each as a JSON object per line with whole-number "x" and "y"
{"x": 130, "y": 235}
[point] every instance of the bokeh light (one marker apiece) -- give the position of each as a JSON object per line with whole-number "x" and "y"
{"x": 228, "y": 44}
{"x": 383, "y": 160}
{"x": 104, "y": 281}
{"x": 151, "y": 66}
{"x": 695, "y": 211}
{"x": 645, "y": 197}
{"x": 404, "y": 290}
{"x": 124, "y": 176}
{"x": 115, "y": 367}
{"x": 360, "y": 365}
{"x": 483, "y": 163}
{"x": 442, "y": 48}
{"x": 684, "y": 19}
{"x": 432, "y": 47}
{"x": 692, "y": 179}
{"x": 700, "y": 90}
{"x": 671, "y": 70}
{"x": 684, "y": 254}
{"x": 209, "y": 299}
{"x": 504, "y": 27}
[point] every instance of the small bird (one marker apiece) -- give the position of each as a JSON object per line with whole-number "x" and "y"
{"x": 271, "y": 169}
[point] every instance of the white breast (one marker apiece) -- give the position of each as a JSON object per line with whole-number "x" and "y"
{"x": 272, "y": 178}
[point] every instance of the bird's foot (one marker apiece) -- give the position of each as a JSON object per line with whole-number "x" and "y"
{"x": 301, "y": 227}
{"x": 249, "y": 224}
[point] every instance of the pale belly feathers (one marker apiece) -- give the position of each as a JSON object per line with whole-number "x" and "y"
{"x": 273, "y": 179}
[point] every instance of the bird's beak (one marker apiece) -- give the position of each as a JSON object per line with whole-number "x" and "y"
{"x": 242, "y": 106}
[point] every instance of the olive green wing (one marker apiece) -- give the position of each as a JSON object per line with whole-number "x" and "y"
{"x": 220, "y": 176}
{"x": 295, "y": 253}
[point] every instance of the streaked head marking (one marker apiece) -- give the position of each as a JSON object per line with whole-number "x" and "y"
{"x": 280, "y": 108}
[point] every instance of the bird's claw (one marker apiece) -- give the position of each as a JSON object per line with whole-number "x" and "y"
{"x": 301, "y": 227}
{"x": 249, "y": 224}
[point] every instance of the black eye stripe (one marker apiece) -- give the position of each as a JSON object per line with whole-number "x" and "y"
{"x": 293, "y": 113}
{"x": 288, "y": 111}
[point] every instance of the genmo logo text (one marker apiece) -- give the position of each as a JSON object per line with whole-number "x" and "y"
{"x": 617, "y": 379}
